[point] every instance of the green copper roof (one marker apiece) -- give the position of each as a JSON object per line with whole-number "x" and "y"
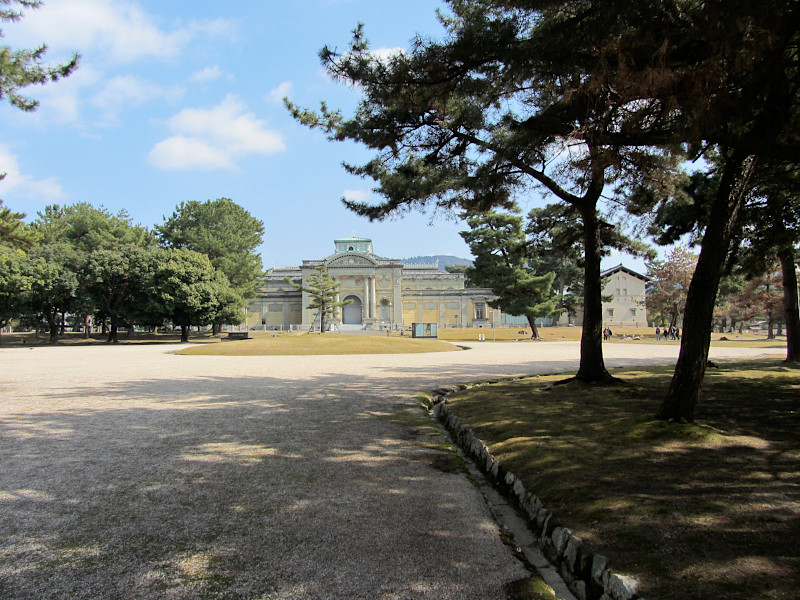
{"x": 353, "y": 239}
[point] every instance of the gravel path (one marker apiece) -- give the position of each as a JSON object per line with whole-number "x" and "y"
{"x": 131, "y": 472}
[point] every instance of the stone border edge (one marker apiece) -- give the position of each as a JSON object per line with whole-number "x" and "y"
{"x": 586, "y": 574}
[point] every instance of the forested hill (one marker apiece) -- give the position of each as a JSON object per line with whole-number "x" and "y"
{"x": 444, "y": 260}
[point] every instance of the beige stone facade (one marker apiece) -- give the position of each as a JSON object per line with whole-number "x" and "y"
{"x": 383, "y": 292}
{"x": 627, "y": 290}
{"x": 626, "y": 306}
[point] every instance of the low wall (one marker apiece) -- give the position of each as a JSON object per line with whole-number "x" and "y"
{"x": 586, "y": 574}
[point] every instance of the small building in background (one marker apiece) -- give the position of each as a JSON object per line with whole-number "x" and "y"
{"x": 623, "y": 300}
{"x": 626, "y": 287}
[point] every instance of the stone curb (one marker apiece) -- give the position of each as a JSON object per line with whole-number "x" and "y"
{"x": 586, "y": 574}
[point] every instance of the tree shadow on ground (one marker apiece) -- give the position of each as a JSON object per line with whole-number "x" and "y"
{"x": 231, "y": 487}
{"x": 708, "y": 510}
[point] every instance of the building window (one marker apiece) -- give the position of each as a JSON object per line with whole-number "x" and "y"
{"x": 480, "y": 311}
{"x": 610, "y": 313}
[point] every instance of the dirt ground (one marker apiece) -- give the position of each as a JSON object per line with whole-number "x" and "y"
{"x": 131, "y": 472}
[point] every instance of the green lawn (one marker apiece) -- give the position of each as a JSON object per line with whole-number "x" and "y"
{"x": 706, "y": 510}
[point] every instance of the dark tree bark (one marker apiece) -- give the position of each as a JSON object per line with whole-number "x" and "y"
{"x": 790, "y": 304}
{"x": 184, "y": 333}
{"x": 534, "y": 329}
{"x": 112, "y": 332}
{"x": 53, "y": 325}
{"x": 592, "y": 365}
{"x": 684, "y": 390}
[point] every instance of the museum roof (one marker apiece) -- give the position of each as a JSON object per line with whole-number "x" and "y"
{"x": 619, "y": 267}
{"x": 352, "y": 239}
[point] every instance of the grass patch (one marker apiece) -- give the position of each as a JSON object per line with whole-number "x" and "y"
{"x": 504, "y": 334}
{"x": 705, "y": 510}
{"x": 533, "y": 588}
{"x": 625, "y": 335}
{"x": 315, "y": 344}
{"x": 72, "y": 338}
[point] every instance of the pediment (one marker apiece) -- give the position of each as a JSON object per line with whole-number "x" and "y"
{"x": 350, "y": 260}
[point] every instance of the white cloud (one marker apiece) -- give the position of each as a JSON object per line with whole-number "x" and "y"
{"x": 206, "y": 75}
{"x": 44, "y": 190}
{"x": 121, "y": 29}
{"x": 214, "y": 138}
{"x": 276, "y": 95}
{"x": 60, "y": 102}
{"x": 356, "y": 195}
{"x": 384, "y": 54}
{"x": 179, "y": 153}
{"x": 125, "y": 91}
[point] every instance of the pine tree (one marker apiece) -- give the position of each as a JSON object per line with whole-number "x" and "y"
{"x": 502, "y": 263}
{"x": 13, "y": 231}
{"x": 225, "y": 232}
{"x": 324, "y": 290}
{"x": 21, "y": 68}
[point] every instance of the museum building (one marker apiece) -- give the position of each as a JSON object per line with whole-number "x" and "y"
{"x": 383, "y": 293}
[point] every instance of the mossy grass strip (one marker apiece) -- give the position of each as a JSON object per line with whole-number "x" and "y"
{"x": 709, "y": 509}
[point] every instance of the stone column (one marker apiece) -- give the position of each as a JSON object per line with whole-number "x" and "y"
{"x": 365, "y": 304}
{"x": 373, "y": 298}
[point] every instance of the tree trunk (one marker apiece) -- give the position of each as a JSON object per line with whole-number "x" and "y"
{"x": 112, "y": 333}
{"x": 684, "y": 389}
{"x": 534, "y": 330}
{"x": 86, "y": 327}
{"x": 215, "y": 329}
{"x": 770, "y": 326}
{"x": 53, "y": 324}
{"x": 184, "y": 333}
{"x": 592, "y": 366}
{"x": 790, "y": 304}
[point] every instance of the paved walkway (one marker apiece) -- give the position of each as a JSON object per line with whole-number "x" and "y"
{"x": 130, "y": 472}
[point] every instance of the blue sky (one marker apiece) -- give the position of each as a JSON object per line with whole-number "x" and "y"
{"x": 181, "y": 100}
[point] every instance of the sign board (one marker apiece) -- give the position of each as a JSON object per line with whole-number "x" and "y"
{"x": 424, "y": 330}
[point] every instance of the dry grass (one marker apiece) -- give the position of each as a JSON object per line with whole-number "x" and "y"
{"x": 708, "y": 510}
{"x": 77, "y": 339}
{"x": 624, "y": 335}
{"x": 504, "y": 334}
{"x": 315, "y": 344}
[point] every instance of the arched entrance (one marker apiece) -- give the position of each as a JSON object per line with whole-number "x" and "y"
{"x": 351, "y": 313}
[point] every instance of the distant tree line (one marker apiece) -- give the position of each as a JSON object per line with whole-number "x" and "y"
{"x": 79, "y": 266}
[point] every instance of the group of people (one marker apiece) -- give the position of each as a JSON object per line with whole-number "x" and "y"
{"x": 671, "y": 333}
{"x": 607, "y": 333}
